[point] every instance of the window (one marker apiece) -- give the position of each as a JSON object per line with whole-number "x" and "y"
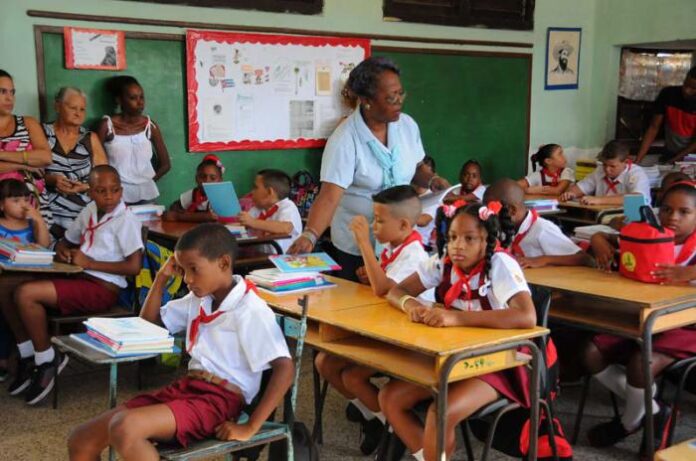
{"x": 495, "y": 14}
{"x": 278, "y": 6}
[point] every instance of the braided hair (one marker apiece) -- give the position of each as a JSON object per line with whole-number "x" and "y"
{"x": 499, "y": 228}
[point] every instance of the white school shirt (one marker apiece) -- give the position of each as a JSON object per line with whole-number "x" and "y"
{"x": 677, "y": 250}
{"x": 632, "y": 180}
{"x": 544, "y": 239}
{"x": 287, "y": 212}
{"x": 238, "y": 345}
{"x": 505, "y": 277}
{"x": 426, "y": 231}
{"x": 131, "y": 155}
{"x": 406, "y": 262}
{"x": 118, "y": 235}
{"x": 534, "y": 179}
{"x": 349, "y": 163}
{"x": 186, "y": 199}
{"x": 478, "y": 192}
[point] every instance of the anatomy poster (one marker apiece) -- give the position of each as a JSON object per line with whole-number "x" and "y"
{"x": 258, "y": 91}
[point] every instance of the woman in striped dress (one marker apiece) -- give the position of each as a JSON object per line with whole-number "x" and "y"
{"x": 24, "y": 149}
{"x": 75, "y": 151}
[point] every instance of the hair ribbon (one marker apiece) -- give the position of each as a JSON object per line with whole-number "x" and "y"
{"x": 492, "y": 209}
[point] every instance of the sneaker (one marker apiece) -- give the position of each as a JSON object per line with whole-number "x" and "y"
{"x": 610, "y": 433}
{"x": 43, "y": 378}
{"x": 23, "y": 376}
{"x": 371, "y": 432}
{"x": 353, "y": 414}
{"x": 391, "y": 448}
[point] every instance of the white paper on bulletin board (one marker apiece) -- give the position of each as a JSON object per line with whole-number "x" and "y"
{"x": 257, "y": 91}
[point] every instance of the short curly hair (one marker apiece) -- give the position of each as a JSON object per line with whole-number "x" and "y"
{"x": 362, "y": 81}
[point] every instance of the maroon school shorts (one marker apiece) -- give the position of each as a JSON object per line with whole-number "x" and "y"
{"x": 679, "y": 343}
{"x": 83, "y": 295}
{"x": 198, "y": 407}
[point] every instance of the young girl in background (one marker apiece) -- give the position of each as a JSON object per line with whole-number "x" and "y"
{"x": 193, "y": 204}
{"x": 480, "y": 286}
{"x": 554, "y": 176}
{"x": 128, "y": 138}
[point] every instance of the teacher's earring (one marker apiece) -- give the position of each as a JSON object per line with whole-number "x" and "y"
{"x": 368, "y": 107}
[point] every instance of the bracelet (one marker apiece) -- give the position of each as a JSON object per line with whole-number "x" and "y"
{"x": 403, "y": 300}
{"x": 25, "y": 156}
{"x": 430, "y": 182}
{"x": 309, "y": 235}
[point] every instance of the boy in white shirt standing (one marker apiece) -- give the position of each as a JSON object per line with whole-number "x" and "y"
{"x": 273, "y": 211}
{"x": 607, "y": 185}
{"x": 105, "y": 239}
{"x": 232, "y": 337}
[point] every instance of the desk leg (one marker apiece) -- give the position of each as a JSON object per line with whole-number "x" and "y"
{"x": 646, "y": 356}
{"x": 113, "y": 383}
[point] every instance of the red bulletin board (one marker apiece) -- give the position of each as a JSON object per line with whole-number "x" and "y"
{"x": 258, "y": 85}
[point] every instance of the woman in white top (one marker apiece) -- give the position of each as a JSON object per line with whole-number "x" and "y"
{"x": 129, "y": 138}
{"x": 554, "y": 176}
{"x": 375, "y": 148}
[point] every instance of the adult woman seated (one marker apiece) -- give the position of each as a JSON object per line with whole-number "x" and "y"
{"x": 75, "y": 151}
{"x": 375, "y": 148}
{"x": 24, "y": 150}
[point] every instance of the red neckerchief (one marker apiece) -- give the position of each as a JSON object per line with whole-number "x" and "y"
{"x": 515, "y": 248}
{"x": 687, "y": 249}
{"x": 554, "y": 177}
{"x": 204, "y": 318}
{"x": 198, "y": 198}
{"x": 612, "y": 183}
{"x": 91, "y": 229}
{"x": 463, "y": 281}
{"x": 386, "y": 260}
{"x": 268, "y": 213}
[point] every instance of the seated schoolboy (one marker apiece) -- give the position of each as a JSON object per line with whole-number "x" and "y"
{"x": 273, "y": 211}
{"x": 426, "y": 221}
{"x": 616, "y": 362}
{"x": 19, "y": 221}
{"x": 554, "y": 176}
{"x": 470, "y": 188}
{"x": 607, "y": 185}
{"x": 395, "y": 211}
{"x": 193, "y": 204}
{"x": 106, "y": 240}
{"x": 232, "y": 337}
{"x": 538, "y": 242}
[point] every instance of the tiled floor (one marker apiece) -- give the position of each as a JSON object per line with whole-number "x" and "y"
{"x": 40, "y": 433}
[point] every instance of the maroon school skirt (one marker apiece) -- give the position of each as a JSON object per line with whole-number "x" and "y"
{"x": 198, "y": 407}
{"x": 679, "y": 344}
{"x": 513, "y": 384}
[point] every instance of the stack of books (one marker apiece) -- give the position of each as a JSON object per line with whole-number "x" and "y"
{"x": 584, "y": 167}
{"x": 654, "y": 175}
{"x": 147, "y": 212}
{"x": 127, "y": 336}
{"x": 585, "y": 233}
{"x": 542, "y": 205}
{"x": 274, "y": 281}
{"x": 239, "y": 232}
{"x": 24, "y": 254}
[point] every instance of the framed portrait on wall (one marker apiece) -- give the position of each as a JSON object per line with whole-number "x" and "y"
{"x": 562, "y": 58}
{"x": 94, "y": 49}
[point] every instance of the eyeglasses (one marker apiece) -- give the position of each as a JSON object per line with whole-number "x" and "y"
{"x": 396, "y": 99}
{"x": 4, "y": 91}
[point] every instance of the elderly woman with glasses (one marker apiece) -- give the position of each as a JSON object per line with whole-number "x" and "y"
{"x": 375, "y": 148}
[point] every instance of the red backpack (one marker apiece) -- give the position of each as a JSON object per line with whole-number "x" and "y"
{"x": 643, "y": 245}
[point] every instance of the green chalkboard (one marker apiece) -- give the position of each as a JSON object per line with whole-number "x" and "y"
{"x": 466, "y": 106}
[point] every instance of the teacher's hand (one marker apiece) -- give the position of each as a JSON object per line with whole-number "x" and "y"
{"x": 301, "y": 245}
{"x": 439, "y": 183}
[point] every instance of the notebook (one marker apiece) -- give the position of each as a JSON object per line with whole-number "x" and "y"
{"x": 222, "y": 198}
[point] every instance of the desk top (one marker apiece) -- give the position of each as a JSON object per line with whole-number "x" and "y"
{"x": 54, "y": 268}
{"x": 387, "y": 324}
{"x": 346, "y": 295}
{"x": 173, "y": 230}
{"x": 611, "y": 286}
{"x": 572, "y": 203}
{"x": 70, "y": 344}
{"x": 680, "y": 452}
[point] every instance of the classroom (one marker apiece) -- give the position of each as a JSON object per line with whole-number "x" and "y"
{"x": 348, "y": 230}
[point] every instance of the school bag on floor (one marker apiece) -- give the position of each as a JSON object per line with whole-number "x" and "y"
{"x": 643, "y": 245}
{"x": 303, "y": 191}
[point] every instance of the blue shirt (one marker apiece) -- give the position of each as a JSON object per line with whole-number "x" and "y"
{"x": 349, "y": 163}
{"x": 25, "y": 235}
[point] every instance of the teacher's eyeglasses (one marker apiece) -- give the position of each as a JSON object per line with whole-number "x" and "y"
{"x": 395, "y": 99}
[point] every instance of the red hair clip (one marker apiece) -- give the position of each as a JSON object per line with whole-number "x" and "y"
{"x": 214, "y": 158}
{"x": 492, "y": 209}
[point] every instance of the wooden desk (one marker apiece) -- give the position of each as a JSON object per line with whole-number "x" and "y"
{"x": 620, "y": 306}
{"x": 577, "y": 213}
{"x": 684, "y": 451}
{"x": 54, "y": 268}
{"x": 168, "y": 232}
{"x": 366, "y": 330}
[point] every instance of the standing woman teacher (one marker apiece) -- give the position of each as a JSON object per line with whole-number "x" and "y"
{"x": 375, "y": 148}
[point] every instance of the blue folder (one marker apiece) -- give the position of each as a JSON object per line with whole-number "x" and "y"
{"x": 632, "y": 204}
{"x": 222, "y": 198}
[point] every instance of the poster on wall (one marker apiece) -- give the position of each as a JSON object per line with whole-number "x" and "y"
{"x": 562, "y": 58}
{"x": 258, "y": 91}
{"x": 94, "y": 49}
